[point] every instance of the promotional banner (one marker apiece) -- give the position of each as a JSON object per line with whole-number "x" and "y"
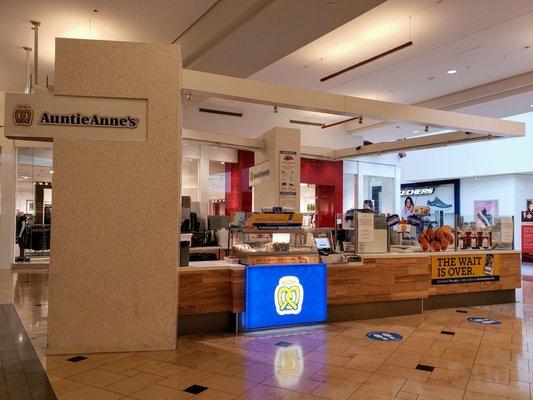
{"x": 477, "y": 267}
{"x": 278, "y": 295}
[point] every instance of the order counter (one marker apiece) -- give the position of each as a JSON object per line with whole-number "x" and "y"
{"x": 212, "y": 293}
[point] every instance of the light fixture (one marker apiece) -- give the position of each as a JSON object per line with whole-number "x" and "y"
{"x": 531, "y": 105}
{"x": 451, "y": 71}
{"x": 368, "y": 60}
{"x": 222, "y": 162}
{"x": 51, "y": 171}
{"x": 416, "y": 131}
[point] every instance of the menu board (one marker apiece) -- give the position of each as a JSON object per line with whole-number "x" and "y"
{"x": 287, "y": 172}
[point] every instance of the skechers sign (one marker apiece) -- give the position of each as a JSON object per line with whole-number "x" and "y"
{"x": 280, "y": 295}
{"x": 48, "y": 116}
{"x": 417, "y": 192}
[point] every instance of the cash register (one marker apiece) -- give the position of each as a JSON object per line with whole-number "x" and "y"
{"x": 330, "y": 256}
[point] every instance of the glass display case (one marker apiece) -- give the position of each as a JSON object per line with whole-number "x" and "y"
{"x": 254, "y": 245}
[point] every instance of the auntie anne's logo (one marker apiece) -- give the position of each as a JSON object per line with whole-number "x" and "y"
{"x": 23, "y": 114}
{"x": 289, "y": 296}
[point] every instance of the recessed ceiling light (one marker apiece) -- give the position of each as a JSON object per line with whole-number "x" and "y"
{"x": 451, "y": 71}
{"x": 222, "y": 162}
{"x": 416, "y": 131}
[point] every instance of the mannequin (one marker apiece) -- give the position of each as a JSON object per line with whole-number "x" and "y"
{"x": 22, "y": 228}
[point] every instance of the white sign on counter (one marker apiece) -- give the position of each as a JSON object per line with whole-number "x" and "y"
{"x": 365, "y": 227}
{"x": 507, "y": 230}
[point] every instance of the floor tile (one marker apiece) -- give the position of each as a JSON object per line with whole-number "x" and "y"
{"x": 91, "y": 393}
{"x": 97, "y": 377}
{"x": 364, "y": 363}
{"x": 133, "y": 384}
{"x": 263, "y": 392}
{"x": 433, "y": 390}
{"x": 227, "y": 384}
{"x": 186, "y": 378}
{"x": 335, "y": 389}
{"x": 381, "y": 384}
{"x": 158, "y": 392}
{"x": 293, "y": 383}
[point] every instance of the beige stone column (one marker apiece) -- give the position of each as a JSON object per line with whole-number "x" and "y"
{"x": 267, "y": 192}
{"x": 113, "y": 277}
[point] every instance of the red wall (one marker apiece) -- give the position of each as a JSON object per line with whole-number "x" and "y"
{"x": 238, "y": 191}
{"x": 329, "y": 175}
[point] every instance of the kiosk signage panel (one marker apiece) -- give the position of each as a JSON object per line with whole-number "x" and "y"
{"x": 46, "y": 116}
{"x": 279, "y": 295}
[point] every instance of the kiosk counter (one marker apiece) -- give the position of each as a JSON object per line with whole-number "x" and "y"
{"x": 212, "y": 295}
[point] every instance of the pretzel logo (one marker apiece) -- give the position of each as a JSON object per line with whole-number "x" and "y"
{"x": 289, "y": 296}
{"x": 23, "y": 115}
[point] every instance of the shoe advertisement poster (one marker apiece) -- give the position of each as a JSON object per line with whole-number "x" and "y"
{"x": 439, "y": 199}
{"x": 486, "y": 211}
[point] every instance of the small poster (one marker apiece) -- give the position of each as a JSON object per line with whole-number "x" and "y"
{"x": 287, "y": 200}
{"x": 507, "y": 229}
{"x": 287, "y": 172}
{"x": 365, "y": 227}
{"x": 485, "y": 212}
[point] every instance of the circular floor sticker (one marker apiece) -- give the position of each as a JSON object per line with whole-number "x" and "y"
{"x": 384, "y": 336}
{"x": 484, "y": 321}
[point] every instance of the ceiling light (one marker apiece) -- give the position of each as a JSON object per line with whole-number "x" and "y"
{"x": 51, "y": 171}
{"x": 451, "y": 71}
{"x": 222, "y": 162}
{"x": 416, "y": 131}
{"x": 531, "y": 105}
{"x": 368, "y": 60}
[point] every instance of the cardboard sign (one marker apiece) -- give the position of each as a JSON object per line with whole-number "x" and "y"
{"x": 468, "y": 268}
{"x": 46, "y": 116}
{"x": 365, "y": 227}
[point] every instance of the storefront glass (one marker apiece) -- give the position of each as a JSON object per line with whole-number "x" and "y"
{"x": 34, "y": 172}
{"x": 380, "y": 190}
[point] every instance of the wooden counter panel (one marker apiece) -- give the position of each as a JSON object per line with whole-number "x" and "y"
{"x": 510, "y": 278}
{"x": 204, "y": 291}
{"x": 238, "y": 288}
{"x": 222, "y": 289}
{"x": 379, "y": 279}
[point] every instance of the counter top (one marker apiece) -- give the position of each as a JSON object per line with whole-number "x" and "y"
{"x": 205, "y": 248}
{"x": 221, "y": 264}
{"x": 431, "y": 254}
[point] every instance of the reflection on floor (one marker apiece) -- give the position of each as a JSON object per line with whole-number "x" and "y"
{"x": 441, "y": 356}
{"x": 21, "y": 372}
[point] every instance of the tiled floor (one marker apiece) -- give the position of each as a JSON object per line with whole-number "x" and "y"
{"x": 441, "y": 356}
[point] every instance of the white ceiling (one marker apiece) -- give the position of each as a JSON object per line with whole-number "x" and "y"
{"x": 484, "y": 40}
{"x": 127, "y": 20}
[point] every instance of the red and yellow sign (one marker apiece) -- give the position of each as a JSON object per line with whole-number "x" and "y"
{"x": 465, "y": 268}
